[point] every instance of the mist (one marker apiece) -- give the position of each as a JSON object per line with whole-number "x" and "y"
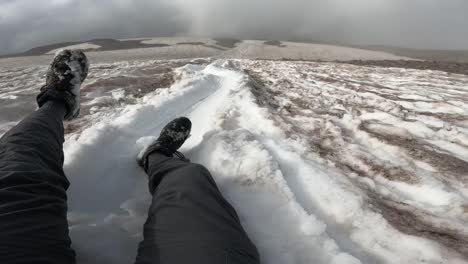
{"x": 429, "y": 24}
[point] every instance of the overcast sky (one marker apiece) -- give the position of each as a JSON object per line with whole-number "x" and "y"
{"x": 438, "y": 24}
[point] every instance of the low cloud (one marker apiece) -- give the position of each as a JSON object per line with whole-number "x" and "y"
{"x": 408, "y": 23}
{"x": 411, "y": 23}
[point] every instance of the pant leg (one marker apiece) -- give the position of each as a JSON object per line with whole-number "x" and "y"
{"x": 33, "y": 201}
{"x": 189, "y": 221}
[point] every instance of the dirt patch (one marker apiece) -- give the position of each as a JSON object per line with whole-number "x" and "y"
{"x": 227, "y": 42}
{"x": 77, "y": 125}
{"x": 360, "y": 87}
{"x": 410, "y": 221}
{"x": 446, "y": 164}
{"x": 136, "y": 86}
{"x": 446, "y": 116}
{"x": 191, "y": 43}
{"x": 200, "y": 61}
{"x": 449, "y": 67}
{"x": 392, "y": 173}
{"x": 275, "y": 43}
{"x": 260, "y": 92}
{"x": 160, "y": 81}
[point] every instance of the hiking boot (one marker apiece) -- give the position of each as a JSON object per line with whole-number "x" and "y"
{"x": 64, "y": 77}
{"x": 172, "y": 137}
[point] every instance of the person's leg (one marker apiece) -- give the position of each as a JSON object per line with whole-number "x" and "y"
{"x": 33, "y": 202}
{"x": 189, "y": 220}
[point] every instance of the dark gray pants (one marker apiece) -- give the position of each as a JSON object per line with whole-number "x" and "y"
{"x": 189, "y": 220}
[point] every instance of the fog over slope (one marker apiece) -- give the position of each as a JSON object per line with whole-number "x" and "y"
{"x": 417, "y": 23}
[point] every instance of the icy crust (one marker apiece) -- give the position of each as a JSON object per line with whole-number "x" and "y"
{"x": 320, "y": 160}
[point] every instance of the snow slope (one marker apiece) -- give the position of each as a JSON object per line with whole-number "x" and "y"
{"x": 189, "y": 47}
{"x": 324, "y": 162}
{"x": 256, "y": 49}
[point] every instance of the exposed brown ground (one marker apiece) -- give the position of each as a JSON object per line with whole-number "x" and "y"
{"x": 227, "y": 42}
{"x": 447, "y": 165}
{"x": 139, "y": 81}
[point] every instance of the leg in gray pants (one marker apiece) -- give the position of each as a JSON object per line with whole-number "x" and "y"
{"x": 189, "y": 220}
{"x": 33, "y": 200}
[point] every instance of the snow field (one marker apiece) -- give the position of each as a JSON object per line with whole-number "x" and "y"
{"x": 306, "y": 152}
{"x": 295, "y": 207}
{"x": 189, "y": 47}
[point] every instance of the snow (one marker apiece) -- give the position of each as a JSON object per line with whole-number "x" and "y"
{"x": 305, "y": 152}
{"x": 305, "y": 51}
{"x": 289, "y": 50}
{"x": 82, "y": 46}
{"x": 209, "y": 48}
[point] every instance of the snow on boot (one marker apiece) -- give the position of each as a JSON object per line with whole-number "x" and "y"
{"x": 172, "y": 137}
{"x": 64, "y": 77}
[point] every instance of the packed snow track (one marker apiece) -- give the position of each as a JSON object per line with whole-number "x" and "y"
{"x": 324, "y": 162}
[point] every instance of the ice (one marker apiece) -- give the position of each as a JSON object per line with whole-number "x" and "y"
{"x": 324, "y": 162}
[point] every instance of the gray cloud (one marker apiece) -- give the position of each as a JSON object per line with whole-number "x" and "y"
{"x": 413, "y": 23}
{"x": 28, "y": 23}
{"x": 409, "y": 23}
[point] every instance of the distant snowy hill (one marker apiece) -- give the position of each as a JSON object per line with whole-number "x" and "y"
{"x": 109, "y": 50}
{"x": 324, "y": 162}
